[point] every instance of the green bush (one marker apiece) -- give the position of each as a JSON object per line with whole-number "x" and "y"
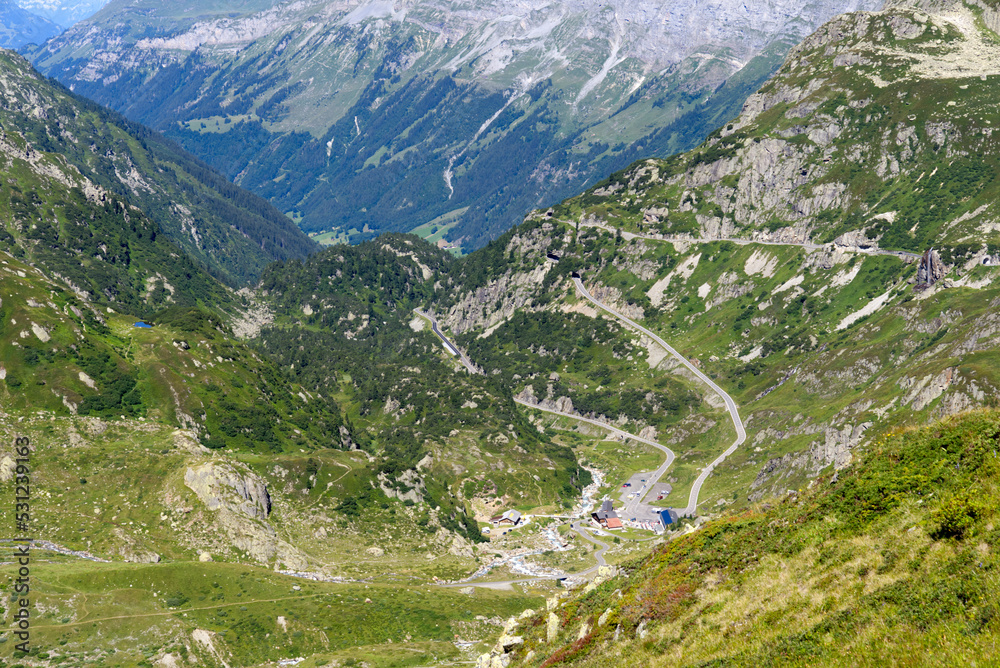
{"x": 956, "y": 516}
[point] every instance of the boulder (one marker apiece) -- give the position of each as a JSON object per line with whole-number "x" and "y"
{"x": 222, "y": 485}
{"x": 552, "y": 627}
{"x": 7, "y": 468}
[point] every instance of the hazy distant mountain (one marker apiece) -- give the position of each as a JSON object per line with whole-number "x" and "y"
{"x": 63, "y": 12}
{"x": 383, "y": 116}
{"x": 19, "y": 27}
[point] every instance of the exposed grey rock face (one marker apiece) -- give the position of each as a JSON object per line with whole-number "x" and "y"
{"x": 220, "y": 485}
{"x": 410, "y": 481}
{"x": 241, "y": 505}
{"x": 931, "y": 269}
{"x": 494, "y": 303}
{"x": 835, "y": 448}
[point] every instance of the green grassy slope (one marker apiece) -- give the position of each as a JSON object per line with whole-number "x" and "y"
{"x": 216, "y": 613}
{"x": 891, "y": 561}
{"x": 66, "y": 355}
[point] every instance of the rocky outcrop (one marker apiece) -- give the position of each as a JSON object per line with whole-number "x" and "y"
{"x": 835, "y": 449}
{"x": 921, "y": 393}
{"x": 222, "y": 485}
{"x": 604, "y": 573}
{"x": 7, "y": 468}
{"x": 561, "y": 404}
{"x": 931, "y": 270}
{"x": 409, "y": 486}
{"x": 240, "y": 505}
{"x": 613, "y": 298}
{"x": 498, "y": 656}
{"x": 131, "y": 551}
{"x": 491, "y": 305}
{"x": 552, "y": 627}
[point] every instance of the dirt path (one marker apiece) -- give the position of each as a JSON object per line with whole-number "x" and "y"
{"x": 174, "y": 612}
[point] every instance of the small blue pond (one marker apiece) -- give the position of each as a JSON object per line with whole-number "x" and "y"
{"x": 142, "y": 325}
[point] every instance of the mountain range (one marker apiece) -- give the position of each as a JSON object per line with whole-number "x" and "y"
{"x": 62, "y": 12}
{"x": 361, "y": 117}
{"x": 19, "y": 27}
{"x": 292, "y": 450}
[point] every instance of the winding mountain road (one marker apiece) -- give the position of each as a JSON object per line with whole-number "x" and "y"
{"x": 746, "y": 242}
{"x": 636, "y": 507}
{"x": 448, "y": 345}
{"x": 741, "y": 434}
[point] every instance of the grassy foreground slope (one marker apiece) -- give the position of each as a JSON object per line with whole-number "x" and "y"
{"x": 126, "y": 615}
{"x": 890, "y": 562}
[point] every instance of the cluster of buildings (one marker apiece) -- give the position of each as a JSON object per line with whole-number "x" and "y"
{"x": 606, "y": 517}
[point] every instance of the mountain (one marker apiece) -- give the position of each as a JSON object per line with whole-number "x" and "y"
{"x": 85, "y": 261}
{"x": 307, "y": 461}
{"x": 71, "y": 142}
{"x": 19, "y": 27}
{"x": 829, "y": 258}
{"x": 63, "y": 12}
{"x": 305, "y": 436}
{"x": 361, "y": 117}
